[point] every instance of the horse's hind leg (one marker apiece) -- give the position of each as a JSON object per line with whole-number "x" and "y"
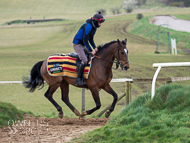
{"x": 65, "y": 97}
{"x": 49, "y": 94}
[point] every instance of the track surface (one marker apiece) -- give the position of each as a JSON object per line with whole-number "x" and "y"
{"x": 37, "y": 129}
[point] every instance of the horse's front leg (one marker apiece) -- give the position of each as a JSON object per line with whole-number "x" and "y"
{"x": 109, "y": 90}
{"x": 95, "y": 94}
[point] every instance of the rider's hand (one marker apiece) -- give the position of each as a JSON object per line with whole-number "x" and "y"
{"x": 96, "y": 50}
{"x": 93, "y": 52}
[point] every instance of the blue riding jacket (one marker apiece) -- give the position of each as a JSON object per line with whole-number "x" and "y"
{"x": 85, "y": 35}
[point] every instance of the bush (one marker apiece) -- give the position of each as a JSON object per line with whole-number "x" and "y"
{"x": 103, "y": 11}
{"x": 139, "y": 16}
{"x": 115, "y": 10}
{"x": 129, "y": 5}
{"x": 176, "y": 4}
{"x": 140, "y": 2}
{"x": 129, "y": 10}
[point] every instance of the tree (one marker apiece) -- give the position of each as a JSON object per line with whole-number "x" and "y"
{"x": 129, "y": 5}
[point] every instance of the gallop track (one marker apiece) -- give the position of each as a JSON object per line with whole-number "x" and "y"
{"x": 37, "y": 129}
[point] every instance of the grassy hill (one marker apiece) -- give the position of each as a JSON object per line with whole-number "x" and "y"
{"x": 22, "y": 45}
{"x": 9, "y": 112}
{"x": 72, "y": 10}
{"x": 163, "y": 119}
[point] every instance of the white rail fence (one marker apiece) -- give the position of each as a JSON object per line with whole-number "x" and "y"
{"x": 127, "y": 93}
{"x": 128, "y": 81}
{"x": 164, "y": 65}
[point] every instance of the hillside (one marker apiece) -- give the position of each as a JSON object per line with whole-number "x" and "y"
{"x": 163, "y": 119}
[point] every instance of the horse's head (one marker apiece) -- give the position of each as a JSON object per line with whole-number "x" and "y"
{"x": 121, "y": 54}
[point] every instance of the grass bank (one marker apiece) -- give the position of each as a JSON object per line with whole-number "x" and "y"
{"x": 163, "y": 119}
{"x": 9, "y": 112}
{"x": 144, "y": 29}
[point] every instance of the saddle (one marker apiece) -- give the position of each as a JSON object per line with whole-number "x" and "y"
{"x": 78, "y": 61}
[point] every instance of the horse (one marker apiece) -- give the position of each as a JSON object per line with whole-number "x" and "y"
{"x": 99, "y": 77}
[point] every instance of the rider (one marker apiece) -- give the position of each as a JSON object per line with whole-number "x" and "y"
{"x": 81, "y": 42}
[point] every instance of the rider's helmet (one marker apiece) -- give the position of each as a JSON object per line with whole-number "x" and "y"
{"x": 98, "y": 18}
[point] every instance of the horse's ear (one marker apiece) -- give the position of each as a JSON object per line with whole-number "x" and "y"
{"x": 126, "y": 40}
{"x": 118, "y": 41}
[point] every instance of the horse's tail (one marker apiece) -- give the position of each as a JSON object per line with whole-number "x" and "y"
{"x": 35, "y": 79}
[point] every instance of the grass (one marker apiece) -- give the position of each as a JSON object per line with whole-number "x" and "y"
{"x": 22, "y": 45}
{"x": 150, "y": 31}
{"x": 163, "y": 119}
{"x": 75, "y": 9}
{"x": 9, "y": 112}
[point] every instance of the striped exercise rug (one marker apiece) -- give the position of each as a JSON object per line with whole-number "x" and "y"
{"x": 64, "y": 65}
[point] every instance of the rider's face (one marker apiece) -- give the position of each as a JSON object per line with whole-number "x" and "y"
{"x": 99, "y": 24}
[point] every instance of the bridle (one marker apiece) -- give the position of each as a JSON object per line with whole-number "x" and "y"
{"x": 116, "y": 62}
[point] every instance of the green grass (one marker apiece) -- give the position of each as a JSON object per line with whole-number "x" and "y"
{"x": 163, "y": 119}
{"x": 9, "y": 112}
{"x": 147, "y": 30}
{"x": 34, "y": 9}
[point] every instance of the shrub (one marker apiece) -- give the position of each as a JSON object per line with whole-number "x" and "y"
{"x": 176, "y": 4}
{"x": 129, "y": 5}
{"x": 139, "y": 16}
{"x": 103, "y": 11}
{"x": 115, "y": 10}
{"x": 140, "y": 2}
{"x": 129, "y": 10}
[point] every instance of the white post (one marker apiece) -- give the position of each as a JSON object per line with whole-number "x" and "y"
{"x": 175, "y": 46}
{"x": 172, "y": 46}
{"x": 83, "y": 100}
{"x": 173, "y": 43}
{"x": 154, "y": 81}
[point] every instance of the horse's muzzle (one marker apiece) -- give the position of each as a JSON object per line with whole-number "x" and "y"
{"x": 125, "y": 68}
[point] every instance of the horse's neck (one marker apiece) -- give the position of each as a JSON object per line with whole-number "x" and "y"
{"x": 107, "y": 55}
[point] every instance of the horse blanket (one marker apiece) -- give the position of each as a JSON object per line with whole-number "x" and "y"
{"x": 65, "y": 65}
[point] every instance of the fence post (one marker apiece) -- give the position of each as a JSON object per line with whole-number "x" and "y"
{"x": 174, "y": 48}
{"x": 128, "y": 93}
{"x": 83, "y": 100}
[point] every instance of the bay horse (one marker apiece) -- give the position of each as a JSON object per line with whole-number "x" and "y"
{"x": 99, "y": 77}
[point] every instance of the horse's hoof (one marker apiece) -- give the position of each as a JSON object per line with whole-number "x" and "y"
{"x": 81, "y": 118}
{"x": 60, "y": 115}
{"x": 84, "y": 113}
{"x": 107, "y": 114}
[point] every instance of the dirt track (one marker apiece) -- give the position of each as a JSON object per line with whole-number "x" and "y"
{"x": 37, "y": 129}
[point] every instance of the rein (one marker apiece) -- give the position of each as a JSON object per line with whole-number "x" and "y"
{"x": 116, "y": 62}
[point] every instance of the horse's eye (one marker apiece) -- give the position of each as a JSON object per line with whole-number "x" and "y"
{"x": 122, "y": 52}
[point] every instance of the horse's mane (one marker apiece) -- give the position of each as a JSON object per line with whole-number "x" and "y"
{"x": 100, "y": 47}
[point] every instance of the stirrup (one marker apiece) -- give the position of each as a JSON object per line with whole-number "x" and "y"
{"x": 81, "y": 82}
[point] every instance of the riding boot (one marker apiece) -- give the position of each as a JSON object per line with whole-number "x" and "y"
{"x": 79, "y": 80}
